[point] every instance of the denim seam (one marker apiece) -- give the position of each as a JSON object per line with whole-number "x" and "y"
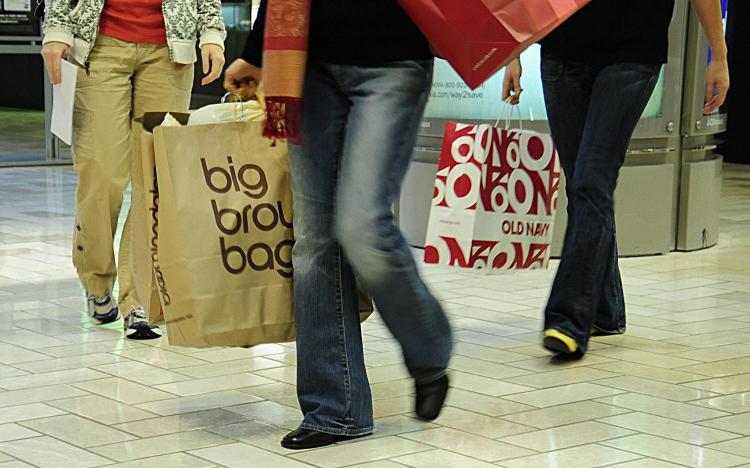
{"x": 340, "y": 432}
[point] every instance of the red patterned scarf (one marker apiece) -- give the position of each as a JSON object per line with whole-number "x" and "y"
{"x": 284, "y": 62}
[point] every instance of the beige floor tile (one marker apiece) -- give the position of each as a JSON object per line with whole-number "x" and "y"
{"x": 15, "y": 464}
{"x": 379, "y": 464}
{"x": 50, "y": 378}
{"x": 124, "y": 391}
{"x": 161, "y": 358}
{"x": 739, "y": 447}
{"x": 46, "y": 452}
{"x": 476, "y": 366}
{"x": 279, "y": 392}
{"x": 360, "y": 452}
{"x": 485, "y": 385}
{"x": 93, "y": 348}
{"x": 579, "y": 457}
{"x": 7, "y": 371}
{"x": 732, "y": 384}
{"x": 720, "y": 368}
{"x": 641, "y": 344}
{"x": 270, "y": 412}
{"x": 564, "y": 414}
{"x": 738, "y": 424}
{"x": 478, "y": 403}
{"x": 280, "y": 374}
{"x": 213, "y": 384}
{"x": 73, "y": 362}
{"x": 78, "y": 431}
{"x": 256, "y": 433}
{"x": 174, "y": 460}
{"x": 562, "y": 395}
{"x": 718, "y": 353}
{"x": 548, "y": 363}
{"x": 378, "y": 359}
{"x": 162, "y": 445}
{"x": 233, "y": 354}
{"x": 737, "y": 403}
{"x": 441, "y": 459}
{"x": 649, "y": 372}
{"x": 391, "y": 406}
{"x": 645, "y": 463}
{"x": 647, "y": 358}
{"x": 198, "y": 402}
{"x": 676, "y": 452}
{"x": 398, "y": 425}
{"x": 470, "y": 445}
{"x": 38, "y": 395}
{"x": 101, "y": 409}
{"x": 180, "y": 423}
{"x": 387, "y": 373}
{"x": 238, "y": 455}
{"x": 660, "y": 407}
{"x": 708, "y": 326}
{"x": 566, "y": 436}
{"x": 475, "y": 423}
{"x": 562, "y": 377}
{"x": 141, "y": 373}
{"x": 392, "y": 389}
{"x": 669, "y": 428}
{"x": 25, "y": 412}
{"x": 657, "y": 389}
{"x": 13, "y": 431}
{"x": 228, "y": 367}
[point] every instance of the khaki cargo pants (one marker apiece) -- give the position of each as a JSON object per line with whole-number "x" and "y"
{"x": 123, "y": 81}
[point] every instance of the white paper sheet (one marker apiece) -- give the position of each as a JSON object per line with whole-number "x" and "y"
{"x": 63, "y": 100}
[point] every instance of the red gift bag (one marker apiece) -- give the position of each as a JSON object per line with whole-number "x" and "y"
{"x": 494, "y": 201}
{"x": 478, "y": 37}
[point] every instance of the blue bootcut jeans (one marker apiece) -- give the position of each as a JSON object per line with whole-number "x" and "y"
{"x": 360, "y": 127}
{"x": 592, "y": 112}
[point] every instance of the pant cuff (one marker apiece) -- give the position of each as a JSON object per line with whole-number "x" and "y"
{"x": 340, "y": 431}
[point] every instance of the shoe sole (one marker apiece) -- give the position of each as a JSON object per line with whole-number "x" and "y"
{"x": 143, "y": 333}
{"x": 337, "y": 439}
{"x": 106, "y": 318}
{"x": 558, "y": 342}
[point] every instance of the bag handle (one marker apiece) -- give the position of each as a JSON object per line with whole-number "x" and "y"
{"x": 509, "y": 119}
{"x": 238, "y": 100}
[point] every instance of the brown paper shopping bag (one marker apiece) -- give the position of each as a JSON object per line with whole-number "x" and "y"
{"x": 144, "y": 216}
{"x": 225, "y": 235}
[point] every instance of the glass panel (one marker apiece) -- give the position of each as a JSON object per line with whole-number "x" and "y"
{"x": 21, "y": 135}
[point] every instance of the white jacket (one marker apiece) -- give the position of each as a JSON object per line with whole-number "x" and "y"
{"x": 76, "y": 23}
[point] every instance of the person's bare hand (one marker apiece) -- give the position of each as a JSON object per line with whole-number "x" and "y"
{"x": 512, "y": 82}
{"x": 717, "y": 85}
{"x": 53, "y": 54}
{"x": 213, "y": 62}
{"x": 242, "y": 78}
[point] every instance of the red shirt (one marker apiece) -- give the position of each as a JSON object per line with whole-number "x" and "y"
{"x": 139, "y": 21}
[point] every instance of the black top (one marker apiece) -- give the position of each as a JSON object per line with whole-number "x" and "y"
{"x": 352, "y": 32}
{"x": 614, "y": 31}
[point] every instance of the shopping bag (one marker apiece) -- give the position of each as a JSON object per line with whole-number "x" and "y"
{"x": 209, "y": 320}
{"x": 494, "y": 200}
{"x": 225, "y": 235}
{"x": 478, "y": 37}
{"x": 144, "y": 225}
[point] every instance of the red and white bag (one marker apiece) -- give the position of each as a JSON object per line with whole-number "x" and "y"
{"x": 495, "y": 199}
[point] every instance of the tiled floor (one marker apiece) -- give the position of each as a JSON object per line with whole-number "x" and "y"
{"x": 674, "y": 391}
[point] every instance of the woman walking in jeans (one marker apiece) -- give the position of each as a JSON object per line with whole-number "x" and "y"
{"x": 358, "y": 85}
{"x": 599, "y": 70}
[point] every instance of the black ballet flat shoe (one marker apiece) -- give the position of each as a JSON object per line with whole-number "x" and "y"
{"x": 306, "y": 439}
{"x": 431, "y": 398}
